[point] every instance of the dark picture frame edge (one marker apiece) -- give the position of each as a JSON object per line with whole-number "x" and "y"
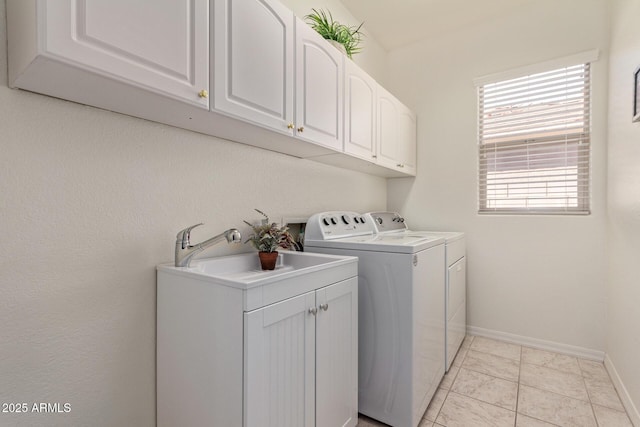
{"x": 636, "y": 95}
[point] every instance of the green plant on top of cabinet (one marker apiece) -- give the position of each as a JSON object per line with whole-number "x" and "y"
{"x": 349, "y": 37}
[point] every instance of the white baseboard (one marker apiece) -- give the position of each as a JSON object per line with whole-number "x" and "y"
{"x": 632, "y": 411}
{"x": 571, "y": 350}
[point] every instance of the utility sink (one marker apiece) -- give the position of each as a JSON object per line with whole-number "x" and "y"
{"x": 244, "y": 271}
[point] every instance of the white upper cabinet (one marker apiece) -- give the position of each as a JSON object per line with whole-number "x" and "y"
{"x": 271, "y": 76}
{"x": 319, "y": 96}
{"x": 407, "y": 135}
{"x": 387, "y": 131}
{"x": 360, "y": 112}
{"x": 396, "y": 132}
{"x": 253, "y": 62}
{"x": 161, "y": 46}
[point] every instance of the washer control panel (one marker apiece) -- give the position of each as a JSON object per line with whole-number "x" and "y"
{"x": 337, "y": 224}
{"x": 386, "y": 221}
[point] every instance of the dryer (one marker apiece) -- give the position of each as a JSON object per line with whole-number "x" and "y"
{"x": 401, "y": 314}
{"x": 455, "y": 265}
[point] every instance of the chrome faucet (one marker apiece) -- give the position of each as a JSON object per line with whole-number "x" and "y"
{"x": 185, "y": 250}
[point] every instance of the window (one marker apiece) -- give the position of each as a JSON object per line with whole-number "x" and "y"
{"x": 534, "y": 138}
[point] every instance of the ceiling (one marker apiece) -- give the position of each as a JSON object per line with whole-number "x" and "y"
{"x": 400, "y": 22}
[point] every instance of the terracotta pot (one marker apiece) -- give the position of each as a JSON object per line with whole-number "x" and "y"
{"x": 268, "y": 260}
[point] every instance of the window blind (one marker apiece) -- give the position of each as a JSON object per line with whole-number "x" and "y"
{"x": 534, "y": 143}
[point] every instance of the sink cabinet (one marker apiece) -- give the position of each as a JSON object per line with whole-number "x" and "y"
{"x": 278, "y": 354}
{"x": 300, "y": 360}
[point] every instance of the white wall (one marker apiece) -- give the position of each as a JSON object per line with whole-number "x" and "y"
{"x": 90, "y": 202}
{"x": 623, "y": 340}
{"x": 540, "y": 277}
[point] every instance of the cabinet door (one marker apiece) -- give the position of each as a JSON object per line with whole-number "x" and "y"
{"x": 279, "y": 354}
{"x": 253, "y": 61}
{"x": 396, "y": 134}
{"x": 319, "y": 96}
{"x": 161, "y": 45}
{"x": 360, "y": 112}
{"x": 387, "y": 129}
{"x": 337, "y": 355}
{"x": 407, "y": 140}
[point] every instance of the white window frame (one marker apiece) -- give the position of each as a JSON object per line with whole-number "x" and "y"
{"x": 492, "y": 194}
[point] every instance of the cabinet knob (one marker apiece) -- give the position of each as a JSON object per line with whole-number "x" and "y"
{"x": 290, "y": 126}
{"x": 203, "y": 93}
{"x": 373, "y": 156}
{"x": 301, "y": 129}
{"x": 313, "y": 310}
{"x": 400, "y": 165}
{"x": 324, "y": 306}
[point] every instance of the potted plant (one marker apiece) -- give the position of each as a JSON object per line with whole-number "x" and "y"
{"x": 267, "y": 238}
{"x": 346, "y": 36}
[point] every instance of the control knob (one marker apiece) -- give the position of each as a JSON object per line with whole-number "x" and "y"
{"x": 345, "y": 219}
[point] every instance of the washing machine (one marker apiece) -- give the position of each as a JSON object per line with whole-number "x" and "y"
{"x": 401, "y": 343}
{"x": 455, "y": 302}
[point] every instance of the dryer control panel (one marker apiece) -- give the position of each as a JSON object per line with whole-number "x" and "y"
{"x": 337, "y": 224}
{"x": 386, "y": 221}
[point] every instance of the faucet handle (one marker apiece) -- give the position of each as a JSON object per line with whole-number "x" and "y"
{"x": 185, "y": 235}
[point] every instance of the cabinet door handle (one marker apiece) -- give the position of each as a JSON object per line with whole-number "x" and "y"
{"x": 203, "y": 93}
{"x": 313, "y": 310}
{"x": 324, "y": 306}
{"x": 290, "y": 126}
{"x": 301, "y": 129}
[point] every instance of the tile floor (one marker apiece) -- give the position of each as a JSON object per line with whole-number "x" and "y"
{"x": 494, "y": 383}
